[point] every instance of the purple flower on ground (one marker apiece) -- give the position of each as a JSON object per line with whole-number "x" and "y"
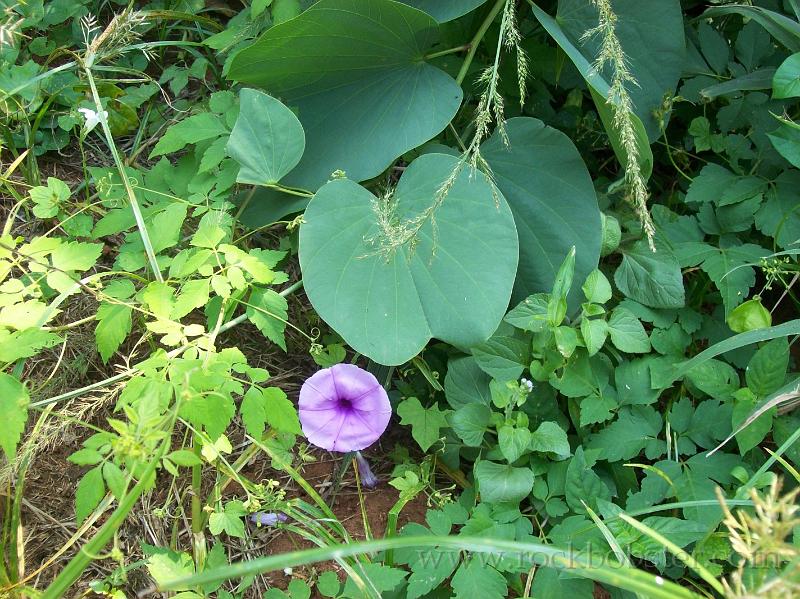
{"x": 268, "y": 518}
{"x": 343, "y": 408}
{"x": 368, "y": 479}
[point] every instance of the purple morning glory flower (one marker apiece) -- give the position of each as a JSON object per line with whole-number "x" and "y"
{"x": 268, "y": 518}
{"x": 343, "y": 408}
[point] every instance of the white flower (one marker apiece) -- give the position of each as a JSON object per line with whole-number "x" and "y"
{"x": 92, "y": 117}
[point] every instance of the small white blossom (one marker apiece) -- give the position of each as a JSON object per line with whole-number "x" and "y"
{"x": 92, "y": 117}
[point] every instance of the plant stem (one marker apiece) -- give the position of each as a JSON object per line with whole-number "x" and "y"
{"x": 198, "y": 522}
{"x": 446, "y": 52}
{"x": 476, "y": 40}
{"x": 137, "y": 211}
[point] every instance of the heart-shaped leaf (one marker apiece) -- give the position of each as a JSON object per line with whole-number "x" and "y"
{"x": 454, "y": 284}
{"x": 267, "y": 140}
{"x": 355, "y": 71}
{"x": 551, "y": 194}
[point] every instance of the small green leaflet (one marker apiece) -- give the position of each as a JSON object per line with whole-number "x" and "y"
{"x": 470, "y": 421}
{"x": 767, "y": 368}
{"x": 165, "y": 565}
{"x": 425, "y": 422}
{"x": 113, "y": 326}
{"x": 48, "y": 199}
{"x": 268, "y": 406}
{"x": 25, "y": 343}
{"x": 90, "y": 491}
{"x": 582, "y": 483}
{"x": 196, "y": 128}
{"x": 513, "y": 441}
{"x": 268, "y": 310}
{"x": 14, "y": 400}
{"x": 382, "y": 577}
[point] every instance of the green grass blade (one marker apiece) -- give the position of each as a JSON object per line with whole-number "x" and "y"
{"x": 682, "y": 555}
{"x": 614, "y": 574}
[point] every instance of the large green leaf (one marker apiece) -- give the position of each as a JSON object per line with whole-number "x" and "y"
{"x": 651, "y": 34}
{"x": 267, "y": 140}
{"x": 547, "y": 185}
{"x": 445, "y": 10}
{"x": 455, "y": 285}
{"x": 355, "y": 72}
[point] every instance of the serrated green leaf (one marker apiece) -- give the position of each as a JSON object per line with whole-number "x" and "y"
{"x": 582, "y": 484}
{"x": 466, "y": 383}
{"x": 90, "y": 491}
{"x": 26, "y": 343}
{"x": 594, "y": 333}
{"x": 597, "y": 408}
{"x": 115, "y": 479}
{"x": 281, "y": 413}
{"x": 228, "y": 520}
{"x": 14, "y": 400}
{"x": 651, "y": 278}
{"x": 383, "y": 579}
{"x": 502, "y": 357}
{"x": 627, "y": 333}
{"x": 766, "y": 370}
{"x": 596, "y": 288}
{"x": 513, "y": 442}
{"x": 113, "y": 327}
{"x": 268, "y": 311}
{"x": 636, "y": 429}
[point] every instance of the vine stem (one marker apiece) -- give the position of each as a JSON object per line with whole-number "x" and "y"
{"x": 134, "y": 369}
{"x": 476, "y": 40}
{"x": 137, "y": 211}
